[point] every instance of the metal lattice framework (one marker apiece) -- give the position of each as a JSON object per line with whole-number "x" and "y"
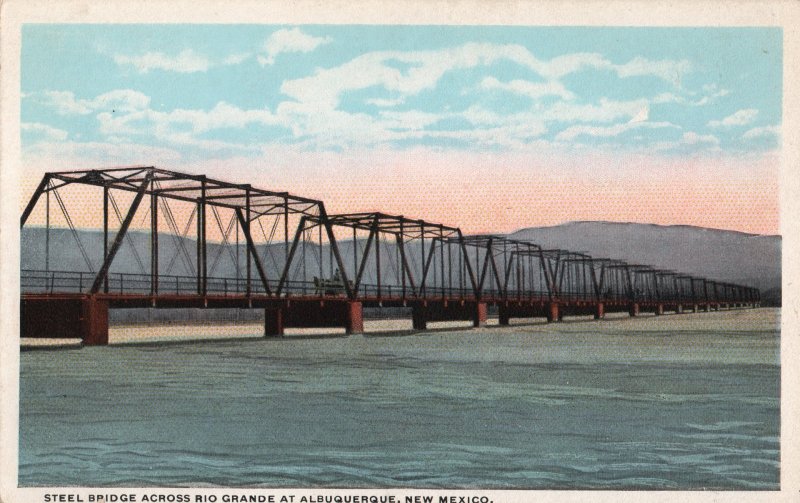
{"x": 276, "y": 244}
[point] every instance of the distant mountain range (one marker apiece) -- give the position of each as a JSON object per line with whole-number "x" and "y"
{"x": 747, "y": 259}
{"x": 737, "y": 257}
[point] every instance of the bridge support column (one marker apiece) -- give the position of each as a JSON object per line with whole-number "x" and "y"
{"x": 633, "y": 310}
{"x": 480, "y": 315}
{"x": 273, "y": 322}
{"x": 94, "y": 322}
{"x": 354, "y": 324}
{"x": 659, "y": 309}
{"x": 694, "y": 308}
{"x": 553, "y": 312}
{"x": 679, "y": 309}
{"x": 707, "y": 308}
{"x": 419, "y": 320}
{"x": 599, "y": 311}
{"x": 65, "y": 317}
{"x": 504, "y": 317}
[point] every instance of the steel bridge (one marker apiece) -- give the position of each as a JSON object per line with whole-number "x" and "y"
{"x": 178, "y": 240}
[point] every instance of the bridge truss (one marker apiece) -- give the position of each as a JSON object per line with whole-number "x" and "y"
{"x": 173, "y": 239}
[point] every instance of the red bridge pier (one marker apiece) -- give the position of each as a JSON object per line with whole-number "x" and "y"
{"x": 423, "y": 312}
{"x": 313, "y": 314}
{"x": 65, "y": 317}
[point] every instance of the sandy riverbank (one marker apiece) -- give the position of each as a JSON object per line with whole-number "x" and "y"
{"x": 742, "y": 336}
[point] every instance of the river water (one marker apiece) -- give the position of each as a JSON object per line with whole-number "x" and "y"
{"x": 674, "y": 402}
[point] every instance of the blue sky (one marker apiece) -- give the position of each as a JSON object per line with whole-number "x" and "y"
{"x": 219, "y": 90}
{"x": 183, "y": 95}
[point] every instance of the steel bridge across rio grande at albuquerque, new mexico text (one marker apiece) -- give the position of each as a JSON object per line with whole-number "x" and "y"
{"x": 171, "y": 240}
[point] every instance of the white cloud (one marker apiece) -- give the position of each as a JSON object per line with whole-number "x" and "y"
{"x": 64, "y": 103}
{"x": 99, "y": 153}
{"x": 235, "y": 59}
{"x": 385, "y": 103}
{"x": 669, "y": 70}
{"x": 606, "y": 111}
{"x": 689, "y": 139}
{"x": 761, "y": 132}
{"x": 119, "y": 100}
{"x": 533, "y": 90}
{"x": 712, "y": 93}
{"x": 412, "y": 119}
{"x": 294, "y": 40}
{"x": 187, "y": 61}
{"x": 692, "y": 138}
{"x": 175, "y": 124}
{"x": 740, "y": 118}
{"x": 608, "y": 131}
{"x": 375, "y": 69}
{"x": 47, "y": 132}
{"x": 642, "y": 116}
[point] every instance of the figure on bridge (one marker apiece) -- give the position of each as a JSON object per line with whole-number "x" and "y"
{"x": 332, "y": 286}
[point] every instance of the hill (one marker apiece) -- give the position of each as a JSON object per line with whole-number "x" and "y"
{"x": 748, "y": 259}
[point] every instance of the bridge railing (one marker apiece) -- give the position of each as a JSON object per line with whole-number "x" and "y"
{"x": 54, "y": 282}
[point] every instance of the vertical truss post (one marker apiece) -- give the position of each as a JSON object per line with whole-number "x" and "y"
{"x": 656, "y": 286}
{"x": 495, "y": 272}
{"x": 450, "y": 268}
{"x": 629, "y": 278}
{"x": 286, "y": 228}
{"x": 297, "y": 237}
{"x": 153, "y": 241}
{"x": 373, "y": 231}
{"x": 204, "y": 228}
{"x": 335, "y": 249}
{"x": 245, "y": 220}
{"x": 202, "y": 271}
{"x": 105, "y": 233}
{"x": 101, "y": 275}
{"x": 47, "y": 232}
{"x": 549, "y": 277}
{"x": 378, "y": 256}
{"x": 251, "y": 248}
{"x": 423, "y": 258}
{"x": 470, "y": 273}
{"x": 400, "y": 237}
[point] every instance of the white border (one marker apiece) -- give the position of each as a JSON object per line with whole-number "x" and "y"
{"x": 782, "y": 14}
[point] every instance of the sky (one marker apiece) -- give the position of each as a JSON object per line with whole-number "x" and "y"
{"x": 489, "y": 128}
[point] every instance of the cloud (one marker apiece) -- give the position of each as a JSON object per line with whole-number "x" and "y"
{"x": 605, "y": 111}
{"x": 761, "y": 132}
{"x": 669, "y": 70}
{"x": 174, "y": 125}
{"x": 689, "y": 139}
{"x": 692, "y": 138}
{"x": 608, "y": 131}
{"x": 43, "y": 130}
{"x": 235, "y": 59}
{"x": 426, "y": 68}
{"x": 642, "y": 116}
{"x": 385, "y": 103}
{"x": 533, "y": 90}
{"x": 187, "y": 61}
{"x": 64, "y": 103}
{"x": 100, "y": 153}
{"x": 119, "y": 100}
{"x": 294, "y": 40}
{"x": 712, "y": 93}
{"x": 740, "y": 118}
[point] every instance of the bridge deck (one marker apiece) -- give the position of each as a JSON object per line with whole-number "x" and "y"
{"x": 305, "y": 268}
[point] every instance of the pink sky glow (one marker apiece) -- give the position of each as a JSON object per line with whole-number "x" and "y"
{"x": 502, "y": 193}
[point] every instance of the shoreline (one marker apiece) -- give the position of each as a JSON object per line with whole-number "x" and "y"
{"x": 743, "y": 336}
